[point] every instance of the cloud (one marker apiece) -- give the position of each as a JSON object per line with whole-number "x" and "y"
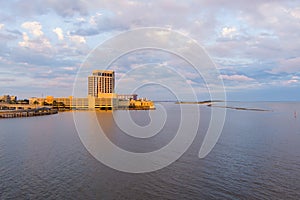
{"x": 250, "y": 38}
{"x": 65, "y": 8}
{"x": 292, "y": 81}
{"x": 289, "y": 66}
{"x": 190, "y": 82}
{"x": 38, "y": 44}
{"x": 236, "y": 77}
{"x": 93, "y": 19}
{"x": 99, "y": 23}
{"x": 25, "y": 41}
{"x": 77, "y": 39}
{"x": 69, "y": 68}
{"x": 295, "y": 13}
{"x": 87, "y": 31}
{"x": 15, "y": 32}
{"x": 229, "y": 32}
{"x": 132, "y": 14}
{"x": 35, "y": 28}
{"x": 59, "y": 33}
{"x": 5, "y": 80}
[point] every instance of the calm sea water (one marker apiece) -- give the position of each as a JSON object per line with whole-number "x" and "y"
{"x": 256, "y": 157}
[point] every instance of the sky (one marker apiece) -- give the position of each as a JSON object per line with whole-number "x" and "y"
{"x": 254, "y": 44}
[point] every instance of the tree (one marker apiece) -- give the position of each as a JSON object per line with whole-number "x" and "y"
{"x": 54, "y": 104}
{"x": 36, "y": 103}
{"x": 46, "y": 104}
{"x": 58, "y": 105}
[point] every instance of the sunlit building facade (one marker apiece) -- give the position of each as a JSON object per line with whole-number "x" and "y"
{"x": 101, "y": 96}
{"x": 101, "y": 82}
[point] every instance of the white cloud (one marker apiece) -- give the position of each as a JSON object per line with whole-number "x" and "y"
{"x": 293, "y": 80}
{"x": 59, "y": 33}
{"x": 236, "y": 77}
{"x": 80, "y": 19}
{"x": 25, "y": 41}
{"x": 93, "y": 19}
{"x": 69, "y": 68}
{"x": 77, "y": 39}
{"x": 190, "y": 82}
{"x": 35, "y": 28}
{"x": 290, "y": 82}
{"x": 229, "y": 32}
{"x": 39, "y": 44}
{"x": 295, "y": 13}
{"x": 46, "y": 43}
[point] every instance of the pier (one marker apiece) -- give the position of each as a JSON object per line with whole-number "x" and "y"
{"x": 27, "y": 112}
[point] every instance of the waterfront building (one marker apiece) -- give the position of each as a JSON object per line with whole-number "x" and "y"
{"x": 101, "y": 82}
{"x": 36, "y": 100}
{"x": 8, "y": 99}
{"x": 127, "y": 96}
{"x": 101, "y": 90}
{"x": 49, "y": 100}
{"x": 101, "y": 96}
{"x": 141, "y": 104}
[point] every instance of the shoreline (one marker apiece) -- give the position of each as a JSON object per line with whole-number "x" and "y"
{"x": 240, "y": 108}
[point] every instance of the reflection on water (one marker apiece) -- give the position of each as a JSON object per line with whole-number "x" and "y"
{"x": 256, "y": 157}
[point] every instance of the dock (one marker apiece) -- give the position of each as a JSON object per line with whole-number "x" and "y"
{"x": 27, "y": 112}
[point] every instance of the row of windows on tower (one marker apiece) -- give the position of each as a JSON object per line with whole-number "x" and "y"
{"x": 103, "y": 74}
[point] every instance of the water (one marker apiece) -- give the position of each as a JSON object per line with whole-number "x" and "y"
{"x": 256, "y": 157}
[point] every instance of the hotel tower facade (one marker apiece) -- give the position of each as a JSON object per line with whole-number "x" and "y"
{"x": 101, "y": 83}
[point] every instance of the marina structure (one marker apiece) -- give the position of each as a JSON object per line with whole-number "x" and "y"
{"x": 18, "y": 110}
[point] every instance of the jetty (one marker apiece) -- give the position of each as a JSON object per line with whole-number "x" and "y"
{"x": 17, "y": 110}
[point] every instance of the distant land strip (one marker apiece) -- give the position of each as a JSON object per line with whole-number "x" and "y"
{"x": 239, "y": 108}
{"x": 210, "y": 104}
{"x": 198, "y": 102}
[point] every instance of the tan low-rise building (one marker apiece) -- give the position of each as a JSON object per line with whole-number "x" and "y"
{"x": 36, "y": 101}
{"x": 141, "y": 104}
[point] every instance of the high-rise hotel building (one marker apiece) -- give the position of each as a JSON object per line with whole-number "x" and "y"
{"x": 101, "y": 83}
{"x": 101, "y": 96}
